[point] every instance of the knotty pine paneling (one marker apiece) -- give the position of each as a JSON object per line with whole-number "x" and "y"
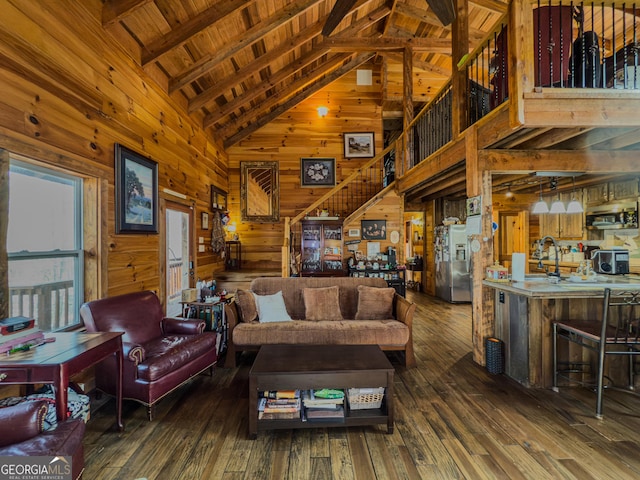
{"x": 300, "y": 132}
{"x": 70, "y": 91}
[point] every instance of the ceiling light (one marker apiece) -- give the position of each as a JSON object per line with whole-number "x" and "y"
{"x": 541, "y": 206}
{"x": 322, "y": 111}
{"x": 574, "y": 205}
{"x": 509, "y": 193}
{"x": 557, "y": 207}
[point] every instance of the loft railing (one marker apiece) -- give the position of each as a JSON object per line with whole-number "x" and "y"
{"x": 50, "y": 304}
{"x": 174, "y": 288}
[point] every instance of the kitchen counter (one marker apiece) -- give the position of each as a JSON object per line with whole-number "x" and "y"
{"x": 525, "y": 311}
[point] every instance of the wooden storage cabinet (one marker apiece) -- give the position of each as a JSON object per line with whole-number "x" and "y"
{"x": 562, "y": 225}
{"x": 613, "y": 191}
{"x": 321, "y": 248}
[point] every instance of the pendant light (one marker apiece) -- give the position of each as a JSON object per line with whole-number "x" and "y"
{"x": 557, "y": 207}
{"x": 541, "y": 206}
{"x": 574, "y": 205}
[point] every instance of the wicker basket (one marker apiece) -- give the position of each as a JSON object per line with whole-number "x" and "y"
{"x": 363, "y": 398}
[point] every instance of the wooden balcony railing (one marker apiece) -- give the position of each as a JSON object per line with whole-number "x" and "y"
{"x": 174, "y": 279}
{"x": 51, "y": 304}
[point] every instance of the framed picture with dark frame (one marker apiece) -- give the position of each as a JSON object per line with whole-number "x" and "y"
{"x": 359, "y": 145}
{"x": 136, "y": 185}
{"x": 374, "y": 229}
{"x": 318, "y": 172}
{"x": 218, "y": 198}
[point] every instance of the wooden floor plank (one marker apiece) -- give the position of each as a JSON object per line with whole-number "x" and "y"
{"x": 453, "y": 420}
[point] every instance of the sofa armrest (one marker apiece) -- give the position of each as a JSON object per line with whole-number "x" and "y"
{"x": 232, "y": 315}
{"x": 404, "y": 310}
{"x": 133, "y": 352}
{"x": 22, "y": 422}
{"x": 183, "y": 327}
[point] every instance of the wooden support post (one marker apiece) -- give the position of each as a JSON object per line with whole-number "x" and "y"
{"x": 520, "y": 59}
{"x": 286, "y": 248}
{"x": 460, "y": 86}
{"x": 407, "y": 108}
{"x": 4, "y": 224}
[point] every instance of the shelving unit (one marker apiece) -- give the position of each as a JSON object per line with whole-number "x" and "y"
{"x": 395, "y": 277}
{"x": 322, "y": 248}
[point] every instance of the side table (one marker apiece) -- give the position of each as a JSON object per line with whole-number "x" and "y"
{"x": 234, "y": 255}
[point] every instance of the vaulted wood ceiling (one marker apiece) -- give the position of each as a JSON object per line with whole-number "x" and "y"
{"x": 238, "y": 64}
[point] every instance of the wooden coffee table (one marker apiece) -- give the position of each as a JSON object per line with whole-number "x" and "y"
{"x": 288, "y": 367}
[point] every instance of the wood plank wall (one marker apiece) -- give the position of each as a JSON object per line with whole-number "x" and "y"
{"x": 70, "y": 92}
{"x": 298, "y": 133}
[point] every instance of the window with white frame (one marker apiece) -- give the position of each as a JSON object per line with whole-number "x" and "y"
{"x": 44, "y": 245}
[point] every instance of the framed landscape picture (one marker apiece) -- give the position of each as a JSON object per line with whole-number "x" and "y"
{"x": 359, "y": 145}
{"x": 317, "y": 172}
{"x": 136, "y": 185}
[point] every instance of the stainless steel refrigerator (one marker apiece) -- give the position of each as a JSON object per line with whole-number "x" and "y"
{"x": 453, "y": 279}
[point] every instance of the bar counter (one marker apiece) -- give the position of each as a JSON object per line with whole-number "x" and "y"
{"x": 525, "y": 311}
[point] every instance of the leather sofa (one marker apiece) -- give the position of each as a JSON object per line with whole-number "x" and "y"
{"x": 348, "y": 322}
{"x": 160, "y": 353}
{"x": 23, "y": 435}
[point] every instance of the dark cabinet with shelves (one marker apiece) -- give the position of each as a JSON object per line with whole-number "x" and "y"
{"x": 321, "y": 248}
{"x": 395, "y": 277}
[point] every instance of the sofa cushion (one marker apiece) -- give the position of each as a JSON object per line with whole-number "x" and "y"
{"x": 322, "y": 303}
{"x": 246, "y": 305}
{"x": 375, "y": 303}
{"x": 271, "y": 308}
{"x": 331, "y": 332}
{"x": 169, "y": 353}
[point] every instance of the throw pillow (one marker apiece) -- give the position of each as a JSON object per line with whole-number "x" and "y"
{"x": 375, "y": 303}
{"x": 322, "y": 303}
{"x": 271, "y": 308}
{"x": 247, "y": 306}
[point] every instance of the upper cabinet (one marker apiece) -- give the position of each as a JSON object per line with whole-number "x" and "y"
{"x": 612, "y": 191}
{"x": 562, "y": 225}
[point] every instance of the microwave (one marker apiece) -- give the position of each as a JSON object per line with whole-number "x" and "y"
{"x": 612, "y": 216}
{"x": 610, "y": 262}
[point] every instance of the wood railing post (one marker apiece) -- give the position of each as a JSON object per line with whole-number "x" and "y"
{"x": 286, "y": 248}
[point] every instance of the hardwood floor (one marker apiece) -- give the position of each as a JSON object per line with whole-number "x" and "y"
{"x": 453, "y": 420}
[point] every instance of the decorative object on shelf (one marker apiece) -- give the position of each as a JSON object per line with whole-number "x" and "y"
{"x": 318, "y": 172}
{"x": 374, "y": 229}
{"x": 359, "y": 145}
{"x": 394, "y": 237}
{"x": 136, "y": 192}
{"x": 218, "y": 198}
{"x": 205, "y": 220}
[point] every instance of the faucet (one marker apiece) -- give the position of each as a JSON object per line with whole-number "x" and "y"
{"x": 541, "y": 244}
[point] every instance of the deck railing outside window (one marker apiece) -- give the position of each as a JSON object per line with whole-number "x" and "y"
{"x": 51, "y": 304}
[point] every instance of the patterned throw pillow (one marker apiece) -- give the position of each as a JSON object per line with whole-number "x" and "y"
{"x": 322, "y": 303}
{"x": 247, "y": 306}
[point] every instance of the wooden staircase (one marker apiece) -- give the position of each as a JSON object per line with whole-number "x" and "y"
{"x": 348, "y": 200}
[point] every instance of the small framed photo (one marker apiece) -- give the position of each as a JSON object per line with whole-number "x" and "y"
{"x": 136, "y": 186}
{"x": 359, "y": 145}
{"x": 218, "y": 198}
{"x": 374, "y": 229}
{"x": 318, "y": 172}
{"x": 205, "y": 220}
{"x": 474, "y": 206}
{"x": 354, "y": 232}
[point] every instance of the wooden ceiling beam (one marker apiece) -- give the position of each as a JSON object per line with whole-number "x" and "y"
{"x": 329, "y": 78}
{"x": 587, "y": 161}
{"x": 394, "y": 44}
{"x": 420, "y": 64}
{"x": 493, "y": 5}
{"x": 115, "y": 10}
{"x": 248, "y": 37}
{"x": 283, "y": 93}
{"x": 182, "y": 33}
{"x": 428, "y": 17}
{"x": 262, "y": 62}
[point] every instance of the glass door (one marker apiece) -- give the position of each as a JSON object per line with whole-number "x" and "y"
{"x": 179, "y": 266}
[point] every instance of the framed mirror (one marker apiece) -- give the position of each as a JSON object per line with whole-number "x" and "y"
{"x": 259, "y": 192}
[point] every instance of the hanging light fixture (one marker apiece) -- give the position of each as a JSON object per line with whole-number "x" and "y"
{"x": 322, "y": 111}
{"x": 557, "y": 207}
{"x": 509, "y": 193}
{"x": 574, "y": 205}
{"x": 541, "y": 206}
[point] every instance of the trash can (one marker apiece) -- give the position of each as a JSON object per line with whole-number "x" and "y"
{"x": 494, "y": 351}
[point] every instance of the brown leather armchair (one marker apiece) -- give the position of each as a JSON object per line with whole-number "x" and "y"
{"x": 23, "y": 435}
{"x": 160, "y": 353}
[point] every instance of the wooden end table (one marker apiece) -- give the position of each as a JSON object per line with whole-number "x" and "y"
{"x": 288, "y": 367}
{"x": 54, "y": 363}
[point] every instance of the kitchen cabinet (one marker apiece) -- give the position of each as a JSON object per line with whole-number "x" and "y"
{"x": 562, "y": 225}
{"x": 612, "y": 191}
{"x": 322, "y": 248}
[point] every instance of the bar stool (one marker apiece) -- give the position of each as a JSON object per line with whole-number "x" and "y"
{"x": 616, "y": 333}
